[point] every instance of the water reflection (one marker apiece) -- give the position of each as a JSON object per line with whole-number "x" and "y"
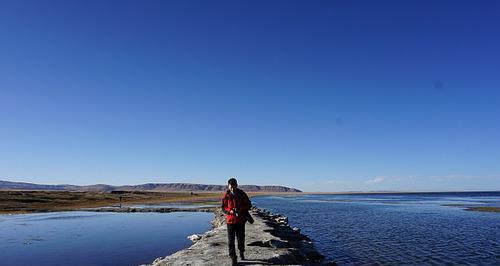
{"x": 86, "y": 238}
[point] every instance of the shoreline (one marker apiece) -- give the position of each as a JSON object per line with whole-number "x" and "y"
{"x": 39, "y": 201}
{"x": 22, "y": 201}
{"x": 269, "y": 241}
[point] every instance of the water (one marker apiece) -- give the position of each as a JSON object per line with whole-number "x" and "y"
{"x": 396, "y": 229}
{"x": 173, "y": 205}
{"x": 86, "y": 238}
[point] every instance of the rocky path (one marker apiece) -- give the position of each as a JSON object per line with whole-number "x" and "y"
{"x": 269, "y": 241}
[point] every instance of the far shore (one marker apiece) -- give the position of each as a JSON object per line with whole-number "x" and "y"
{"x": 18, "y": 202}
{"x": 33, "y": 201}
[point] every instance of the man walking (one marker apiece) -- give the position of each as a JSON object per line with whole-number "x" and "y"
{"x": 235, "y": 204}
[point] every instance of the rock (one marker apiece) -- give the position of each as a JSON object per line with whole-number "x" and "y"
{"x": 278, "y": 244}
{"x": 314, "y": 255}
{"x": 296, "y": 230}
{"x": 284, "y": 259}
{"x": 157, "y": 260}
{"x": 282, "y": 220}
{"x": 194, "y": 237}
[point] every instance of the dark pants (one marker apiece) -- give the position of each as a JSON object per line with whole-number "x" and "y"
{"x": 237, "y": 230}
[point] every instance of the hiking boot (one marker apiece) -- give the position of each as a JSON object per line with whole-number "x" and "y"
{"x": 242, "y": 255}
{"x": 234, "y": 261}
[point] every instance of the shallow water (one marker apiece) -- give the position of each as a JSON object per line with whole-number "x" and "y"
{"x": 87, "y": 238}
{"x": 172, "y": 205}
{"x": 395, "y": 229}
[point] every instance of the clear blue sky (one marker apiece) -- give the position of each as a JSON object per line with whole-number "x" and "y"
{"x": 318, "y": 95}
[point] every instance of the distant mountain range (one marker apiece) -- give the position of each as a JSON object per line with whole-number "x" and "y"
{"x": 160, "y": 187}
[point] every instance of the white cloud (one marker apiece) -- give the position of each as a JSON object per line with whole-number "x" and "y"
{"x": 376, "y": 180}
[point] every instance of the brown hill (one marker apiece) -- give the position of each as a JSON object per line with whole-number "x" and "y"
{"x": 7, "y": 185}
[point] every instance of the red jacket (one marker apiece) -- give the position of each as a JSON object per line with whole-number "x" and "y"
{"x": 239, "y": 202}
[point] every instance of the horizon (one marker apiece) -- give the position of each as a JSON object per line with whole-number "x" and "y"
{"x": 261, "y": 185}
{"x": 322, "y": 96}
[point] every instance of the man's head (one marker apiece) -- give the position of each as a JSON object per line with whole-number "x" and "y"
{"x": 232, "y": 184}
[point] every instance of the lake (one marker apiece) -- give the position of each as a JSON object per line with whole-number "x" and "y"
{"x": 88, "y": 238}
{"x": 396, "y": 229}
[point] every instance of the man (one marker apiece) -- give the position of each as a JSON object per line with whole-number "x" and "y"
{"x": 235, "y": 204}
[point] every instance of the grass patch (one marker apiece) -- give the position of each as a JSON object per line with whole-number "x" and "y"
{"x": 484, "y": 209}
{"x": 40, "y": 201}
